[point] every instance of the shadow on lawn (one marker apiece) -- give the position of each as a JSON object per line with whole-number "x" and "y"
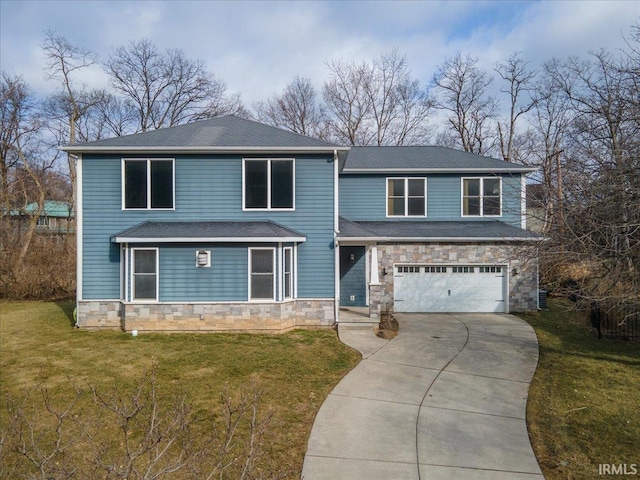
{"x": 572, "y": 331}
{"x": 67, "y": 306}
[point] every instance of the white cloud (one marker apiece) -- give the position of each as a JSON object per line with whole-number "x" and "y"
{"x": 258, "y": 47}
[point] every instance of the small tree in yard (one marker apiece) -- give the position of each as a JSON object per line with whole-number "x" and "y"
{"x": 138, "y": 433}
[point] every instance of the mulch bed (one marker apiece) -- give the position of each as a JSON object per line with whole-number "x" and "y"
{"x": 388, "y": 327}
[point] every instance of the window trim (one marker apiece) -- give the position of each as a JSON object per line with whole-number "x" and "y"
{"x": 268, "y": 208}
{"x": 133, "y": 275}
{"x": 406, "y": 197}
{"x": 148, "y": 160}
{"x": 273, "y": 274}
{"x": 482, "y": 179}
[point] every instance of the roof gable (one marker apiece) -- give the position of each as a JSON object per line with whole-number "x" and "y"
{"x": 221, "y": 133}
{"x": 406, "y": 159}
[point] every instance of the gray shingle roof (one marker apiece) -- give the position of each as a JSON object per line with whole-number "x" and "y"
{"x": 433, "y": 230}
{"x": 421, "y": 159}
{"x": 178, "y": 232}
{"x": 215, "y": 133}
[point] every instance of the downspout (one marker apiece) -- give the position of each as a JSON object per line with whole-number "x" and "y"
{"x": 523, "y": 201}
{"x": 336, "y": 231}
{"x": 537, "y": 281}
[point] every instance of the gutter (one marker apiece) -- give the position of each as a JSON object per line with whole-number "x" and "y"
{"x": 438, "y": 170}
{"x": 200, "y": 149}
{"x": 443, "y": 239}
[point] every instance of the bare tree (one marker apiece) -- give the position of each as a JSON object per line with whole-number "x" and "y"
{"x": 295, "y": 109}
{"x": 18, "y": 122}
{"x": 63, "y": 61}
{"x": 376, "y": 103}
{"x": 518, "y": 78}
{"x": 166, "y": 88}
{"x": 25, "y": 161}
{"x": 348, "y": 105}
{"x": 600, "y": 230}
{"x": 400, "y": 106}
{"x": 133, "y": 432}
{"x": 550, "y": 122}
{"x": 221, "y": 103}
{"x": 463, "y": 93}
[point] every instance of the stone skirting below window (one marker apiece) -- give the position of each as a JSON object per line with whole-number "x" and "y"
{"x": 521, "y": 260}
{"x": 205, "y": 317}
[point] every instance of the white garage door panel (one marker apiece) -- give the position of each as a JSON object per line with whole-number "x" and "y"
{"x": 458, "y": 288}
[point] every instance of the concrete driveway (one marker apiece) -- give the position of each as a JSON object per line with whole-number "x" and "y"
{"x": 444, "y": 399}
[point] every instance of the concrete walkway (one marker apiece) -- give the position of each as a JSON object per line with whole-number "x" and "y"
{"x": 444, "y": 399}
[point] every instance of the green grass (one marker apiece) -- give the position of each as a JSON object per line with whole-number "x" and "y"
{"x": 584, "y": 402}
{"x": 295, "y": 370}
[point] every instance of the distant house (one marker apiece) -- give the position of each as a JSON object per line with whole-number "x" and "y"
{"x": 56, "y": 216}
{"x": 230, "y": 224}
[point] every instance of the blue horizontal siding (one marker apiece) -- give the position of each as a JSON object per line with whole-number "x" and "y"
{"x": 363, "y": 197}
{"x": 225, "y": 280}
{"x": 208, "y": 188}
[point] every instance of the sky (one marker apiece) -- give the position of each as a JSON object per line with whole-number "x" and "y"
{"x": 258, "y": 47}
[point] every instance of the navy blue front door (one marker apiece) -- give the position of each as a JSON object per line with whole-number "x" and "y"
{"x": 353, "y": 284}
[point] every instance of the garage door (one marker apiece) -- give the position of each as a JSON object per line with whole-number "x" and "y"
{"x": 449, "y": 288}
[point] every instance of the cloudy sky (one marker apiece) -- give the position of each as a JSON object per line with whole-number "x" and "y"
{"x": 258, "y": 47}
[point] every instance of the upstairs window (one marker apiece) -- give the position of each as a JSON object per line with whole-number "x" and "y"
{"x": 268, "y": 184}
{"x": 148, "y": 183}
{"x": 406, "y": 197}
{"x": 482, "y": 197}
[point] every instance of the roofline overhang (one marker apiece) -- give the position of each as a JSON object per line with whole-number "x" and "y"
{"x": 441, "y": 239}
{"x": 440, "y": 170}
{"x": 153, "y": 150}
{"x": 134, "y": 239}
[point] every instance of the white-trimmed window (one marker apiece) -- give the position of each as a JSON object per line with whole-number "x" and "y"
{"x": 268, "y": 184}
{"x": 287, "y": 272}
{"x": 406, "y": 197}
{"x": 262, "y": 274}
{"x": 148, "y": 183}
{"x": 144, "y": 274}
{"x": 482, "y": 197}
{"x": 43, "y": 221}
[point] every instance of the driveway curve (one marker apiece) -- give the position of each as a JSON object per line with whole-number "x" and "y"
{"x": 446, "y": 398}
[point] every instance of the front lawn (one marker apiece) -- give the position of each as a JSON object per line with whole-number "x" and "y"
{"x": 584, "y": 404}
{"x": 295, "y": 371}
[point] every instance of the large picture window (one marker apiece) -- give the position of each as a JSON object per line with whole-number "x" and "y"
{"x": 148, "y": 183}
{"x": 406, "y": 197}
{"x": 268, "y": 184}
{"x": 145, "y": 274}
{"x": 482, "y": 197}
{"x": 262, "y": 274}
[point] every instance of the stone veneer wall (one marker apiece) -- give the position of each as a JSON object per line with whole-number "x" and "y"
{"x": 99, "y": 314}
{"x": 523, "y": 287}
{"x": 200, "y": 317}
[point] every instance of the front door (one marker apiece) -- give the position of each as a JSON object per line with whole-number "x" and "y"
{"x": 353, "y": 283}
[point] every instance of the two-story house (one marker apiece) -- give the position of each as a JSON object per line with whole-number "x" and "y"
{"x": 229, "y": 224}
